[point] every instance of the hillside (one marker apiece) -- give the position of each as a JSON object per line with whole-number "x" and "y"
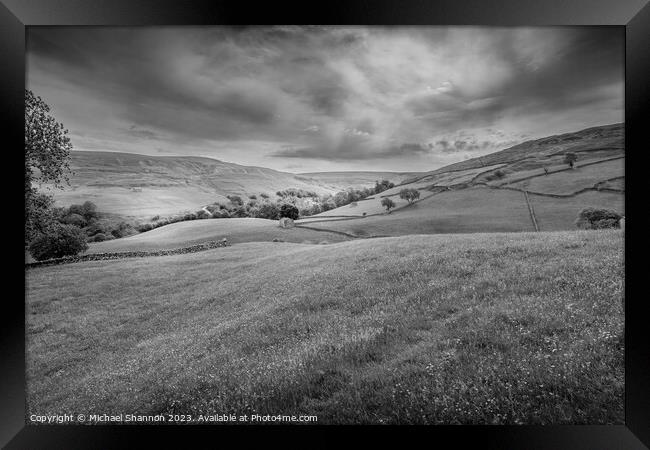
{"x": 419, "y": 329}
{"x": 522, "y": 188}
{"x": 598, "y": 142}
{"x": 186, "y": 234}
{"x": 356, "y": 179}
{"x": 142, "y": 186}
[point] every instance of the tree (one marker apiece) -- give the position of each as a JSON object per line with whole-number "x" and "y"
{"x": 290, "y": 211}
{"x": 39, "y": 214}
{"x": 89, "y": 210}
{"x": 381, "y": 186}
{"x": 201, "y": 214}
{"x": 75, "y": 219}
{"x": 268, "y": 210}
{"x": 58, "y": 241}
{"x": 341, "y": 198}
{"x": 387, "y": 203}
{"x": 235, "y": 200}
{"x": 315, "y": 209}
{"x": 47, "y": 149}
{"x": 410, "y": 195}
{"x": 328, "y": 204}
{"x": 123, "y": 229}
{"x": 570, "y": 158}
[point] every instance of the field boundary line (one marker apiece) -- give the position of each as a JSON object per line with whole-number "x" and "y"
{"x": 560, "y": 170}
{"x": 531, "y": 211}
{"x": 343, "y": 233}
{"x": 124, "y": 255}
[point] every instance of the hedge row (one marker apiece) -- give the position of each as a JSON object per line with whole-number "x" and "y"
{"x": 119, "y": 255}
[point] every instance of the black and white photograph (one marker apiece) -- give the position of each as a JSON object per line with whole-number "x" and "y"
{"x": 315, "y": 225}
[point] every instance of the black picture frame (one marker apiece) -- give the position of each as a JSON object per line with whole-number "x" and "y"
{"x": 633, "y": 15}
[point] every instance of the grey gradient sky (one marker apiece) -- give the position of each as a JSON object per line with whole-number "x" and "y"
{"x": 304, "y": 99}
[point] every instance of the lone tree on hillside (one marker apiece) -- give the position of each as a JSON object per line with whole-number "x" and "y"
{"x": 410, "y": 195}
{"x": 387, "y": 203}
{"x": 570, "y": 158}
{"x": 47, "y": 150}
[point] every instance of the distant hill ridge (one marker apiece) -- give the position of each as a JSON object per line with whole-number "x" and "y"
{"x": 589, "y": 139}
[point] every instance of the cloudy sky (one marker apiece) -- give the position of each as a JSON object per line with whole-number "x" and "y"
{"x": 303, "y": 99}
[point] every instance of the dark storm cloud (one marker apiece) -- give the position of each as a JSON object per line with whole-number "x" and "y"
{"x": 327, "y": 93}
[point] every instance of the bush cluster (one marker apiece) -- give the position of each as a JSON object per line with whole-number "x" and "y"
{"x": 598, "y": 218}
{"x": 57, "y": 241}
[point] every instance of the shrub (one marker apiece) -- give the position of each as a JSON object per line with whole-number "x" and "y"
{"x": 214, "y": 208}
{"x": 99, "y": 237}
{"x": 123, "y": 229}
{"x": 58, "y": 241}
{"x": 598, "y": 218}
{"x": 252, "y": 197}
{"x": 201, "y": 214}
{"x": 95, "y": 228}
{"x": 235, "y": 199}
{"x": 155, "y": 218}
{"x": 238, "y": 211}
{"x": 499, "y": 173}
{"x": 290, "y": 211}
{"x": 145, "y": 227}
{"x": 74, "y": 219}
{"x": 263, "y": 195}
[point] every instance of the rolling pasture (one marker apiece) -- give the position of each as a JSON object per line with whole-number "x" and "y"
{"x": 477, "y": 196}
{"x": 478, "y": 209}
{"x": 186, "y": 234}
{"x": 449, "y": 310}
{"x": 566, "y": 183}
{"x": 504, "y": 328}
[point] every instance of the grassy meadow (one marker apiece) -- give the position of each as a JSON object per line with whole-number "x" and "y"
{"x": 471, "y": 210}
{"x": 579, "y": 178}
{"x": 495, "y": 328}
{"x": 186, "y": 234}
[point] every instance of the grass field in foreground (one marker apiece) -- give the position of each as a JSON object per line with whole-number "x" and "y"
{"x": 485, "y": 328}
{"x": 185, "y": 234}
